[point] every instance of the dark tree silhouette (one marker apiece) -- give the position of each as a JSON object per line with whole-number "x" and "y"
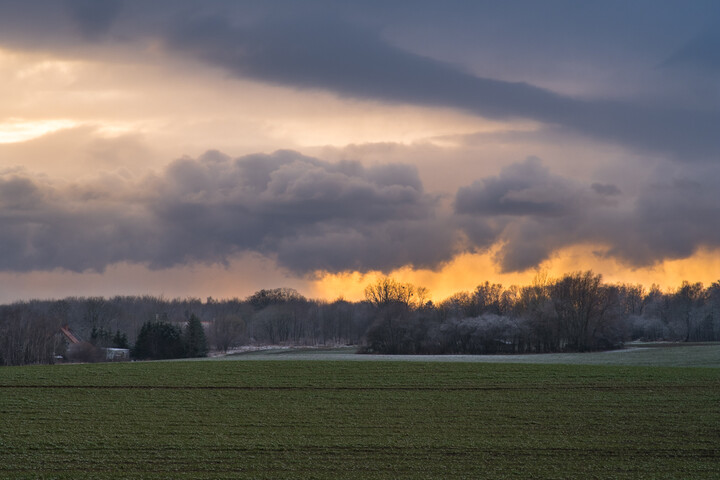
{"x": 158, "y": 340}
{"x": 194, "y": 338}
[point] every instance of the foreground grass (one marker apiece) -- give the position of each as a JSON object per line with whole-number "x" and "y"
{"x": 314, "y": 419}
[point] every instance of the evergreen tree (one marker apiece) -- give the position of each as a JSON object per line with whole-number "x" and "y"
{"x": 194, "y": 338}
{"x": 120, "y": 340}
{"x": 158, "y": 340}
{"x": 100, "y": 337}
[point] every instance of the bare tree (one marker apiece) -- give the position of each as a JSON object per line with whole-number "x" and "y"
{"x": 228, "y": 331}
{"x": 387, "y": 291}
{"x": 687, "y": 301}
{"x": 27, "y": 335}
{"x": 583, "y": 306}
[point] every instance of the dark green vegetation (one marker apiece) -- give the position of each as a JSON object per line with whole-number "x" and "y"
{"x": 322, "y": 419}
{"x": 161, "y": 340}
{"x": 158, "y": 340}
{"x": 105, "y": 338}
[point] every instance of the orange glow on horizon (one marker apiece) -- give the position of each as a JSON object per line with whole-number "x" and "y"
{"x": 466, "y": 271}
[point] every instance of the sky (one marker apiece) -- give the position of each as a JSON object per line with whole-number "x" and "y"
{"x": 216, "y": 147}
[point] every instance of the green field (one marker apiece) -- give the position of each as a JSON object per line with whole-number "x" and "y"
{"x": 648, "y": 354}
{"x": 339, "y": 419}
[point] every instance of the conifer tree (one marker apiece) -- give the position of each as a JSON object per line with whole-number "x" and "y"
{"x": 194, "y": 337}
{"x": 158, "y": 340}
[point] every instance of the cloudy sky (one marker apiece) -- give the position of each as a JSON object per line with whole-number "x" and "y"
{"x": 215, "y": 147}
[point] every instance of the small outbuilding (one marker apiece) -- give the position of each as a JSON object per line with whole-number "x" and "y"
{"x": 116, "y": 354}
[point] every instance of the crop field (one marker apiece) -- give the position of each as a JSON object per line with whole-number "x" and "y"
{"x": 338, "y": 419}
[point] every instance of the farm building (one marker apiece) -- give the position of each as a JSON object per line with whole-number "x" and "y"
{"x": 80, "y": 351}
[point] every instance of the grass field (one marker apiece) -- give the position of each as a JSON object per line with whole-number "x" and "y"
{"x": 322, "y": 419}
{"x": 648, "y": 354}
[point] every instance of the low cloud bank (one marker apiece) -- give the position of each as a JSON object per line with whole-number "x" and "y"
{"x": 310, "y": 215}
{"x": 307, "y": 213}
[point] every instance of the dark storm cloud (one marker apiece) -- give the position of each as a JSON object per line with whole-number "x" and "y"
{"x": 605, "y": 189}
{"x": 314, "y": 215}
{"x": 93, "y": 18}
{"x": 18, "y": 193}
{"x": 673, "y": 217}
{"x": 537, "y": 213}
{"x": 347, "y": 49}
{"x": 419, "y": 243}
{"x": 357, "y": 62}
{"x": 308, "y": 213}
{"x": 42, "y": 227}
{"x": 702, "y": 52}
{"x": 524, "y": 189}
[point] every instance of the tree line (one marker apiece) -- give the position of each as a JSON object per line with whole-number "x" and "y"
{"x": 577, "y": 312}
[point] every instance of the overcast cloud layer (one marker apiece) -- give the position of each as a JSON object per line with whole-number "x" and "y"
{"x": 354, "y": 62}
{"x": 598, "y": 123}
{"x": 321, "y": 45}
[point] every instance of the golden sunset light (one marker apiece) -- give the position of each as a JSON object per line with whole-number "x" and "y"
{"x": 466, "y": 271}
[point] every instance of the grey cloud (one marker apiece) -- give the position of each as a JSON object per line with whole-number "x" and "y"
{"x": 45, "y": 227}
{"x": 670, "y": 217}
{"x": 291, "y": 199}
{"x": 534, "y": 212}
{"x": 17, "y": 193}
{"x": 288, "y": 186}
{"x": 423, "y": 243}
{"x": 307, "y": 213}
{"x": 328, "y": 54}
{"x": 605, "y": 189}
{"x": 525, "y": 189}
{"x": 93, "y": 18}
{"x": 521, "y": 252}
{"x": 347, "y": 49}
{"x": 702, "y": 52}
{"x": 357, "y": 62}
